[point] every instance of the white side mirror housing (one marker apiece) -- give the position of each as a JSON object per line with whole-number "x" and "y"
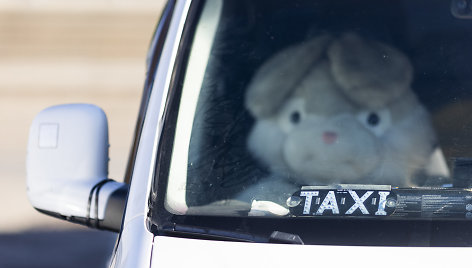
{"x": 67, "y": 166}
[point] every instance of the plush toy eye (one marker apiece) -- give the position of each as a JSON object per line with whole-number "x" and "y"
{"x": 295, "y": 117}
{"x": 373, "y": 119}
{"x": 377, "y": 121}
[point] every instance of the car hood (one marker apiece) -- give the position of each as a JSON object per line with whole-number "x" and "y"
{"x": 184, "y": 252}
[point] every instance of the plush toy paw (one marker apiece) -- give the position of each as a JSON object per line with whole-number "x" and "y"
{"x": 267, "y": 208}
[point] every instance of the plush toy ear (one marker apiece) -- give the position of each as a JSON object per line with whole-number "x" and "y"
{"x": 279, "y": 76}
{"x": 372, "y": 74}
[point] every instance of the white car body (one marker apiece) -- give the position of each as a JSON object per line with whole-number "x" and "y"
{"x": 138, "y": 247}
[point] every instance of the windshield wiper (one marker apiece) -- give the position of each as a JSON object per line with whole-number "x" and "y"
{"x": 198, "y": 232}
{"x": 285, "y": 238}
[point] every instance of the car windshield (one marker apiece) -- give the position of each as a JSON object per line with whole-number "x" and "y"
{"x": 323, "y": 109}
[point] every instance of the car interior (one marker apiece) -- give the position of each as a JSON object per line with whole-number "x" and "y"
{"x": 436, "y": 35}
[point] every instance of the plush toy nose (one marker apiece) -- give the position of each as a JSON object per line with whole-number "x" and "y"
{"x": 329, "y": 137}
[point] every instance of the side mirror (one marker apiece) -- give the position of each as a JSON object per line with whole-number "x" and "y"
{"x": 67, "y": 167}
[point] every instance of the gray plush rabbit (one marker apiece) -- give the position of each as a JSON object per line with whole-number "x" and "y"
{"x": 337, "y": 110}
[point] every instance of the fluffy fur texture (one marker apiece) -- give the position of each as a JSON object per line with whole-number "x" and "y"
{"x": 336, "y": 110}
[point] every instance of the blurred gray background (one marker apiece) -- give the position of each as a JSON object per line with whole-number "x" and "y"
{"x": 65, "y": 51}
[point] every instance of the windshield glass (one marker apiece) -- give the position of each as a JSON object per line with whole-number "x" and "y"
{"x": 325, "y": 109}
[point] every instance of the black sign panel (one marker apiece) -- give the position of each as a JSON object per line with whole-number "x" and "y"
{"x": 421, "y": 202}
{"x": 447, "y": 203}
{"x": 342, "y": 202}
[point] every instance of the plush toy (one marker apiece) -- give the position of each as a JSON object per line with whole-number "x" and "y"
{"x": 337, "y": 110}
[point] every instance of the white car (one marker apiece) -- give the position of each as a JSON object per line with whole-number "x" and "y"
{"x": 216, "y": 178}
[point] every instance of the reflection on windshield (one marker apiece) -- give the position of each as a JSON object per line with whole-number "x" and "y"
{"x": 321, "y": 109}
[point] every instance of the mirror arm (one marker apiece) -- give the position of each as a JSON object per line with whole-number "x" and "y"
{"x": 114, "y": 210}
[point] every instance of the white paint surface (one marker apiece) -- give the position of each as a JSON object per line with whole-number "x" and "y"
{"x": 181, "y": 252}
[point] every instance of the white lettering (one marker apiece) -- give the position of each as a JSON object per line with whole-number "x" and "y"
{"x": 382, "y": 202}
{"x": 328, "y": 203}
{"x": 309, "y": 195}
{"x": 359, "y": 202}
